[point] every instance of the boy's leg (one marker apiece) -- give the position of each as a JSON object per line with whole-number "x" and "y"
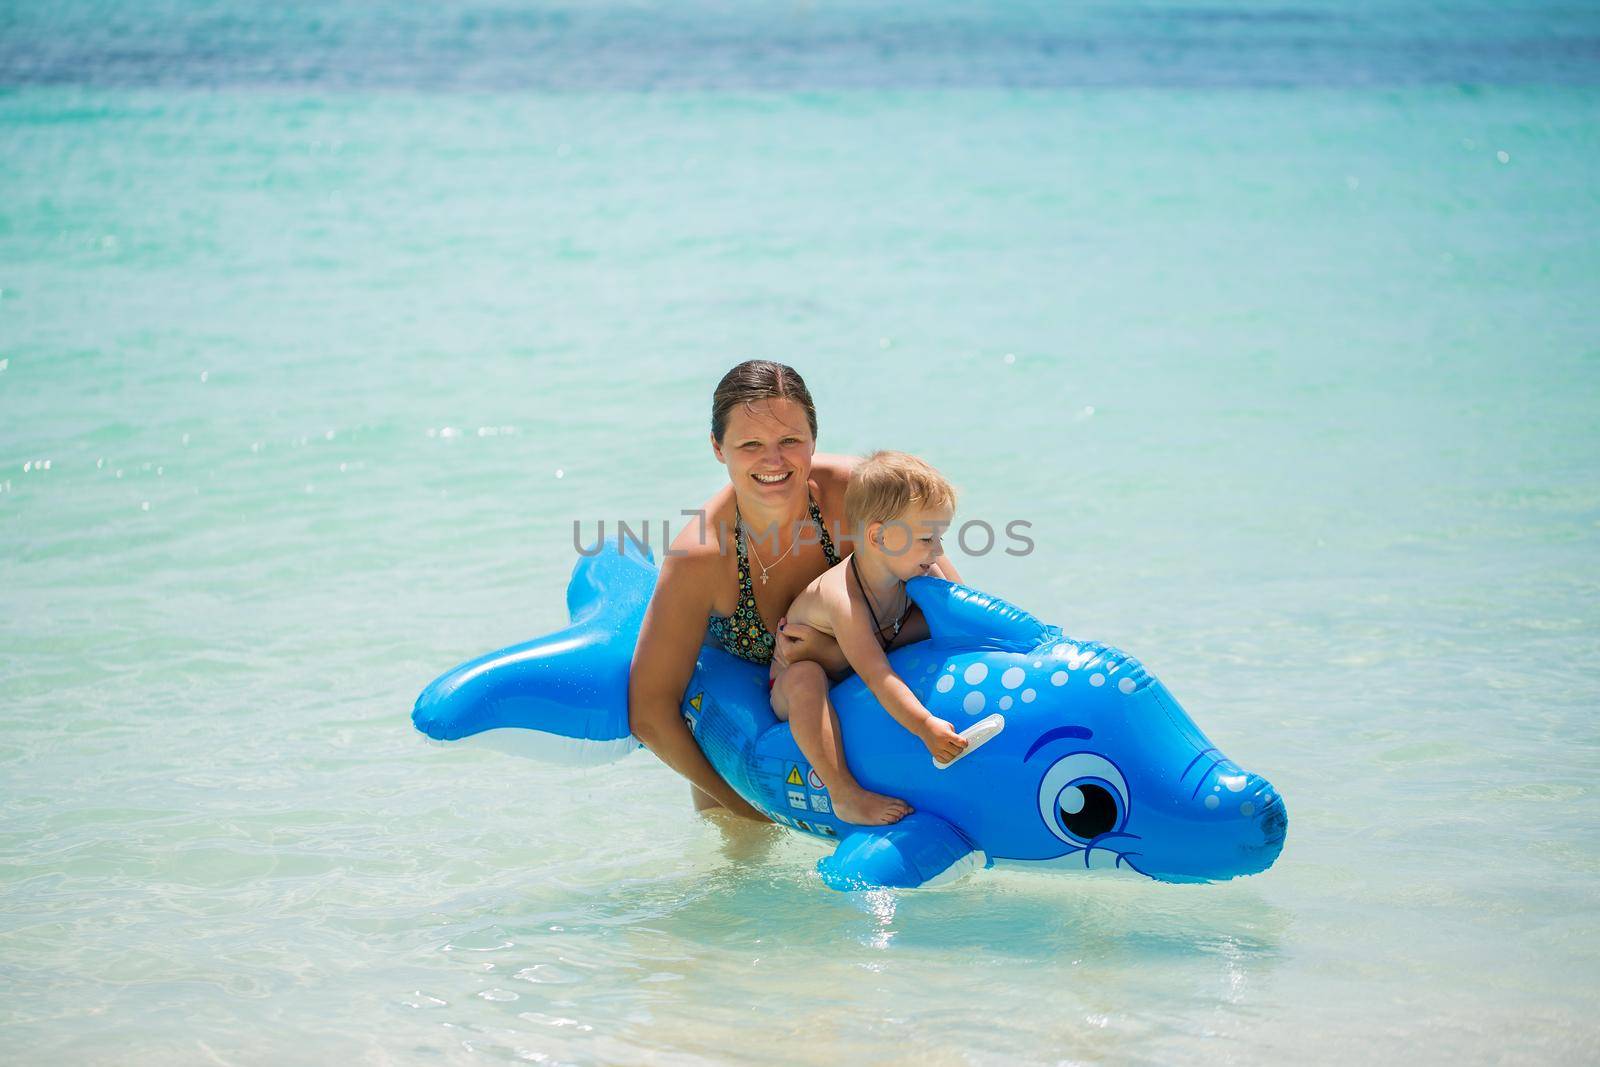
{"x": 802, "y": 690}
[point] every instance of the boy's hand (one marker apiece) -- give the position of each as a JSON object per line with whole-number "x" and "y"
{"x": 942, "y": 740}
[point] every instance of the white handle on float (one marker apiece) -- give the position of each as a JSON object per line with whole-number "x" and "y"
{"x": 977, "y": 735}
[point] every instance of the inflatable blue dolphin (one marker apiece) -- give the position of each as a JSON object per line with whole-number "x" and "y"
{"x": 1078, "y": 758}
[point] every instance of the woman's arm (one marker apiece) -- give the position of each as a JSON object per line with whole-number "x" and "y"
{"x": 663, "y": 662}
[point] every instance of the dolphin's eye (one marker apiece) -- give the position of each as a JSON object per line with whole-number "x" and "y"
{"x": 1083, "y": 796}
{"x": 1087, "y": 809}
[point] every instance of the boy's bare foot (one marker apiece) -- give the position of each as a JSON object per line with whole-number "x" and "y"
{"x": 866, "y": 808}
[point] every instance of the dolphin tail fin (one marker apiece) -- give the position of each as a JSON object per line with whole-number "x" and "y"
{"x": 618, "y": 577}
{"x": 562, "y": 697}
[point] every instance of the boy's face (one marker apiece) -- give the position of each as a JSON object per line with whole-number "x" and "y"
{"x": 912, "y": 543}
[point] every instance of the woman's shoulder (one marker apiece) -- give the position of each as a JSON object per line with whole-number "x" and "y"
{"x": 698, "y": 547}
{"x": 832, "y": 471}
{"x": 831, "y": 476}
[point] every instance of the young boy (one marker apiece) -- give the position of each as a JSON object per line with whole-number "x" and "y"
{"x": 896, "y": 507}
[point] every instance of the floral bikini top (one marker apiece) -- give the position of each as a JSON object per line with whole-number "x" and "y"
{"x": 743, "y": 633}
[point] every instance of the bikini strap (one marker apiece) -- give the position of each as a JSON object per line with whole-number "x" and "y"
{"x": 745, "y": 589}
{"x": 822, "y": 530}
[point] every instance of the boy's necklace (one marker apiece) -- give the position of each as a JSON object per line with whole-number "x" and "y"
{"x": 877, "y": 627}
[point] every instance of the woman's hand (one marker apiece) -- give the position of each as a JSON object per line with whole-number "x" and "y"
{"x": 797, "y": 643}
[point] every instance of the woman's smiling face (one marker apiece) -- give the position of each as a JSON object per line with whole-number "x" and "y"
{"x": 767, "y": 447}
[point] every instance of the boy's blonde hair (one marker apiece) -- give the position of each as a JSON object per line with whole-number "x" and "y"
{"x": 886, "y": 485}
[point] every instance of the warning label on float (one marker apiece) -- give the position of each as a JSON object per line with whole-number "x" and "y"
{"x": 794, "y": 775}
{"x": 797, "y": 799}
{"x": 815, "y": 779}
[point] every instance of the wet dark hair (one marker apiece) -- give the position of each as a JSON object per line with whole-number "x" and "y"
{"x": 758, "y": 379}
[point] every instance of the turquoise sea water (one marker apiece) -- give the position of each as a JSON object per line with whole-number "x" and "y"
{"x": 320, "y": 326}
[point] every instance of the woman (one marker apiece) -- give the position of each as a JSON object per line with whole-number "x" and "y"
{"x": 765, "y": 536}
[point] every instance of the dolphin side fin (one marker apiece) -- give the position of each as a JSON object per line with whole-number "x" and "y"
{"x": 921, "y": 849}
{"x": 963, "y": 617}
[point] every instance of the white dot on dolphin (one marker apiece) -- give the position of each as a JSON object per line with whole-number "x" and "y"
{"x": 1028, "y": 695}
{"x": 1058, "y": 678}
{"x": 1126, "y": 685}
{"x": 1247, "y": 808}
{"x": 1234, "y": 782}
{"x": 976, "y": 673}
{"x": 1212, "y": 802}
{"x": 945, "y": 683}
{"x": 1005, "y": 703}
{"x": 973, "y": 704}
{"x": 1038, "y": 663}
{"x": 1097, "y": 679}
{"x": 1013, "y": 677}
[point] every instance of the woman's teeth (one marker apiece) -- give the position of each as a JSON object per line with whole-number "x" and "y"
{"x": 771, "y": 479}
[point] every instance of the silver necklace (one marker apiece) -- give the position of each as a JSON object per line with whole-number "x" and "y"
{"x": 877, "y": 627}
{"x": 750, "y": 544}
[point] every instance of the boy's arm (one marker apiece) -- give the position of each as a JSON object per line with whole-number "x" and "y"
{"x": 852, "y": 628}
